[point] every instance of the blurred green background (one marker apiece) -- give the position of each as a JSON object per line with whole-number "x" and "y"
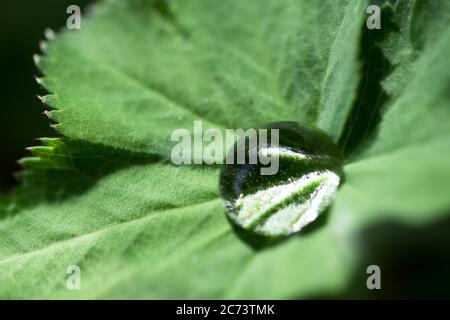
{"x": 21, "y": 120}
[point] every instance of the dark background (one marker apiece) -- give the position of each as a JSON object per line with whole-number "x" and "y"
{"x": 22, "y": 23}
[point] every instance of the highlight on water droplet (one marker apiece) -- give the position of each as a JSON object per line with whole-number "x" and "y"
{"x": 305, "y": 185}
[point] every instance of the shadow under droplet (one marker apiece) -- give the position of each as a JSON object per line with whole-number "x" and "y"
{"x": 255, "y": 241}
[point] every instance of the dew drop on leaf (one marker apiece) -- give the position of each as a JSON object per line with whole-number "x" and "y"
{"x": 308, "y": 176}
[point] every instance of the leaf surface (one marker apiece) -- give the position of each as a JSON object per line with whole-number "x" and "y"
{"x": 106, "y": 198}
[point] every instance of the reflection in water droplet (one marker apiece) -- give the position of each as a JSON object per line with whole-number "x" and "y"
{"x": 304, "y": 186}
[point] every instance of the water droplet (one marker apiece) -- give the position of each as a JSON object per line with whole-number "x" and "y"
{"x": 305, "y": 184}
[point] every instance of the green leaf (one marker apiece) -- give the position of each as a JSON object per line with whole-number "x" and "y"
{"x": 404, "y": 172}
{"x": 106, "y": 198}
{"x": 126, "y": 228}
{"x": 159, "y": 72}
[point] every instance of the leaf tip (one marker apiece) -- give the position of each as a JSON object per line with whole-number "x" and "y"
{"x": 39, "y": 80}
{"x": 54, "y": 126}
{"x": 49, "y": 34}
{"x": 36, "y": 59}
{"x": 48, "y": 114}
{"x": 43, "y": 46}
{"x": 41, "y": 98}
